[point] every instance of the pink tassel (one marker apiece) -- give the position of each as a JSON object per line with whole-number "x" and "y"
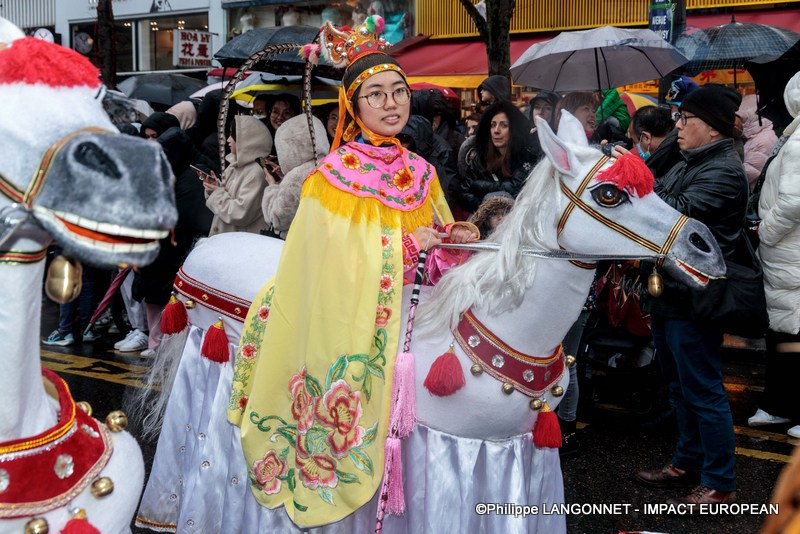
{"x": 404, "y": 396}
{"x": 445, "y": 376}
{"x": 393, "y": 477}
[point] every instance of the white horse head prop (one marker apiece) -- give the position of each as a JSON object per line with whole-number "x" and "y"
{"x": 65, "y": 173}
{"x": 503, "y": 314}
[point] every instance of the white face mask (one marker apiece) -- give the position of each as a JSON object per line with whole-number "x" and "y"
{"x": 260, "y": 116}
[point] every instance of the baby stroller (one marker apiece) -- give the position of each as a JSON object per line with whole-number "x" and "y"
{"x": 617, "y": 367}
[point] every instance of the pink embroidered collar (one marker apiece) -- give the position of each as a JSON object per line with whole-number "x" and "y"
{"x": 380, "y": 173}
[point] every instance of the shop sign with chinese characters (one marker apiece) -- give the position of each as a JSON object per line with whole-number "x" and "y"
{"x": 191, "y": 48}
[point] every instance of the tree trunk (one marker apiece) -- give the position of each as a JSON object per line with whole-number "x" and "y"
{"x": 106, "y": 50}
{"x": 494, "y": 30}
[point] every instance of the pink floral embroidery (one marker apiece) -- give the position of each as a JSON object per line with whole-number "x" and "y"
{"x": 382, "y": 316}
{"x": 385, "y": 240}
{"x": 302, "y": 403}
{"x": 316, "y": 470}
{"x": 267, "y": 470}
{"x": 340, "y": 409}
{"x": 263, "y": 313}
{"x": 248, "y": 351}
{"x": 387, "y": 283}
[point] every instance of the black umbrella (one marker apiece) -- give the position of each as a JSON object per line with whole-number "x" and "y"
{"x": 236, "y": 51}
{"x": 161, "y": 88}
{"x": 771, "y": 74}
{"x": 729, "y": 46}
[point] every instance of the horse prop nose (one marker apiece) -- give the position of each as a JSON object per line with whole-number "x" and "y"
{"x": 91, "y": 156}
{"x": 698, "y": 241}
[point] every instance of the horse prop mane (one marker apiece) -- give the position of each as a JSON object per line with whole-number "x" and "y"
{"x": 503, "y": 316}
{"x": 65, "y": 174}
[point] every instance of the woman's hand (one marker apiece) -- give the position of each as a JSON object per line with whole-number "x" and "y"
{"x": 462, "y": 234}
{"x": 427, "y": 237}
{"x": 211, "y": 183}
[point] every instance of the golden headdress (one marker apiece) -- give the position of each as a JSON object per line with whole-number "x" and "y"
{"x": 362, "y": 52}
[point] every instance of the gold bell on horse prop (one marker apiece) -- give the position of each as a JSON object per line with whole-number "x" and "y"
{"x": 655, "y": 284}
{"x": 63, "y": 282}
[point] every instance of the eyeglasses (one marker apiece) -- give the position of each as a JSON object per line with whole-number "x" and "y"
{"x": 683, "y": 118}
{"x": 377, "y": 99}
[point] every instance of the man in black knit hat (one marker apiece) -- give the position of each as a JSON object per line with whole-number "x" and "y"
{"x": 710, "y": 186}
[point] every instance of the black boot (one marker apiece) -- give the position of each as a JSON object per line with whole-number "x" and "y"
{"x": 569, "y": 442}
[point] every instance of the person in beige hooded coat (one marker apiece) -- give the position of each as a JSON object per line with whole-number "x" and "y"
{"x": 236, "y": 200}
{"x": 296, "y": 156}
{"x": 779, "y": 250}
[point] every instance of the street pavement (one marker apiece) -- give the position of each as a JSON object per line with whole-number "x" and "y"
{"x": 619, "y": 434}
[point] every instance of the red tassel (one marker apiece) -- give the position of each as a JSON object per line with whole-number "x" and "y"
{"x": 393, "y": 477}
{"x": 215, "y": 345}
{"x": 174, "y": 318}
{"x": 79, "y": 525}
{"x": 445, "y": 376}
{"x": 546, "y": 431}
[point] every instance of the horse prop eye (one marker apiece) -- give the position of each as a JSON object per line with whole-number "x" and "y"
{"x": 609, "y": 196}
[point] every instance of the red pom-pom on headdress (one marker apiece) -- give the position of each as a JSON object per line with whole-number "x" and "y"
{"x": 32, "y": 61}
{"x": 630, "y": 173}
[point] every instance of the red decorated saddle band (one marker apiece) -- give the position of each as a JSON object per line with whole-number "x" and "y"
{"x": 530, "y": 375}
{"x": 44, "y": 472}
{"x": 224, "y": 303}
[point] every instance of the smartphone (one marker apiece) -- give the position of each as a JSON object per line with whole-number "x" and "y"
{"x": 202, "y": 175}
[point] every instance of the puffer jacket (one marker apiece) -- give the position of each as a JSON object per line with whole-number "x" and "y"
{"x": 779, "y": 232}
{"x": 296, "y": 156}
{"x": 759, "y": 139}
{"x": 236, "y": 203}
{"x": 709, "y": 186}
{"x": 474, "y": 183}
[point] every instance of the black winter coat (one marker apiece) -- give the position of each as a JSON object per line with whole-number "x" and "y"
{"x": 474, "y": 183}
{"x": 710, "y": 186}
{"x": 666, "y": 156}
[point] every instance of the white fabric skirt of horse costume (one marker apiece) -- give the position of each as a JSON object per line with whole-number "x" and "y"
{"x": 199, "y": 483}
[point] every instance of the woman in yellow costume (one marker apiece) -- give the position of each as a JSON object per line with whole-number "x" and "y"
{"x": 313, "y": 374}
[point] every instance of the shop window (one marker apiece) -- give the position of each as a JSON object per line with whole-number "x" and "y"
{"x": 157, "y": 38}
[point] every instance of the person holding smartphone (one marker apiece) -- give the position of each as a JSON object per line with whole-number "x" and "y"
{"x": 235, "y": 200}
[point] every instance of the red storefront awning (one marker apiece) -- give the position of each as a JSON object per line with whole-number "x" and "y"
{"x": 454, "y": 64}
{"x": 464, "y": 63}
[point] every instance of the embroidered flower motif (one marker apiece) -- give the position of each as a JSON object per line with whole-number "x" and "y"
{"x": 403, "y": 180}
{"x": 387, "y": 283}
{"x": 350, "y": 160}
{"x": 316, "y": 470}
{"x": 242, "y": 402}
{"x": 267, "y": 470}
{"x": 355, "y": 186}
{"x": 340, "y": 409}
{"x": 64, "y": 466}
{"x": 382, "y": 316}
{"x": 382, "y": 193}
{"x": 248, "y": 351}
{"x": 302, "y": 403}
{"x": 263, "y": 313}
{"x": 386, "y": 241}
{"x": 410, "y": 199}
{"x": 328, "y": 166}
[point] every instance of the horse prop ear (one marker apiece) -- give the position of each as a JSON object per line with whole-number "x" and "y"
{"x": 9, "y": 32}
{"x": 555, "y": 148}
{"x": 571, "y": 130}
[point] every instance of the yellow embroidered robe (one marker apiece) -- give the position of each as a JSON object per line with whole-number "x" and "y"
{"x": 313, "y": 372}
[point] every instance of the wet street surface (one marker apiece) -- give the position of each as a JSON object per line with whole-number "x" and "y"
{"x": 619, "y": 434}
